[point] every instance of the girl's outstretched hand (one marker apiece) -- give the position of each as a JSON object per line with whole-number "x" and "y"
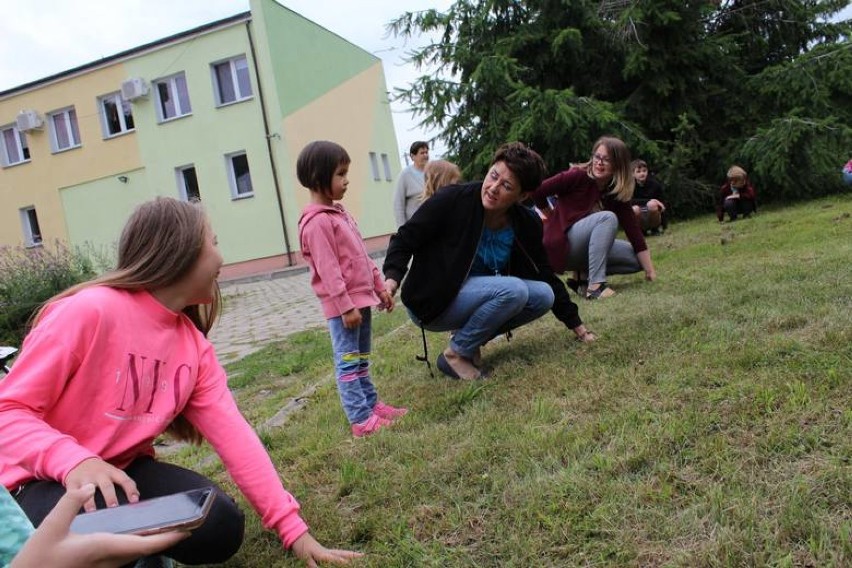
{"x": 308, "y": 549}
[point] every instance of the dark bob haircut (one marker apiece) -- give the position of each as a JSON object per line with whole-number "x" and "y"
{"x": 317, "y": 163}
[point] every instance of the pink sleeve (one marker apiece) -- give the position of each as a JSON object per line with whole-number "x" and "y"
{"x": 378, "y": 280}
{"x": 45, "y": 365}
{"x": 214, "y": 412}
{"x": 318, "y": 236}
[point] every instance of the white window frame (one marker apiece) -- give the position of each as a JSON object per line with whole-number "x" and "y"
{"x": 239, "y": 95}
{"x": 31, "y": 237}
{"x": 120, "y": 103}
{"x": 181, "y": 181}
{"x": 172, "y": 84}
{"x": 71, "y": 125}
{"x": 374, "y": 166}
{"x": 232, "y": 176}
{"x": 387, "y": 168}
{"x": 22, "y": 147}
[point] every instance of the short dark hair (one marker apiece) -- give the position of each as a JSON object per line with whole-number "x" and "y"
{"x": 639, "y": 164}
{"x": 416, "y": 147}
{"x": 317, "y": 163}
{"x": 522, "y": 161}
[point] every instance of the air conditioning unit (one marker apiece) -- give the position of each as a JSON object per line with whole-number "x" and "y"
{"x": 134, "y": 88}
{"x": 28, "y": 119}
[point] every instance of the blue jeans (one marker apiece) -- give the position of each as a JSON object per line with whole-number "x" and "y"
{"x": 487, "y": 306}
{"x": 352, "y": 367}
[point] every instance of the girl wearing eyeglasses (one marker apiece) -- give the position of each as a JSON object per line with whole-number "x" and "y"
{"x": 584, "y": 205}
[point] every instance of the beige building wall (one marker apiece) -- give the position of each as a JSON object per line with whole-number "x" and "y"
{"x": 38, "y": 181}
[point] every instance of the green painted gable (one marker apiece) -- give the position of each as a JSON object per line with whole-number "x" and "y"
{"x": 310, "y": 60}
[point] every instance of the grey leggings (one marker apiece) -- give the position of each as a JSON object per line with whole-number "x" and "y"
{"x": 594, "y": 248}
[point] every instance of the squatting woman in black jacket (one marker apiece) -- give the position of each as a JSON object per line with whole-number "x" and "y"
{"x": 479, "y": 267}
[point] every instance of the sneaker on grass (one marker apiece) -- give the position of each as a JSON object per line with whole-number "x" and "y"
{"x": 369, "y": 426}
{"x": 389, "y": 412}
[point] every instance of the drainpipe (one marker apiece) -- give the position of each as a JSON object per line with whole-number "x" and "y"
{"x": 269, "y": 138}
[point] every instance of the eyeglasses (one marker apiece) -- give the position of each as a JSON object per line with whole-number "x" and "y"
{"x": 602, "y": 159}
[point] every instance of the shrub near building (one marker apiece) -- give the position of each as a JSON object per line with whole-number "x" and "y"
{"x": 29, "y": 276}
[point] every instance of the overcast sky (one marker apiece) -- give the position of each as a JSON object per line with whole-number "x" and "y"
{"x": 42, "y": 37}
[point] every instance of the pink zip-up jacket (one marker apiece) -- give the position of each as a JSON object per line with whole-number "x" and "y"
{"x": 103, "y": 374}
{"x": 343, "y": 275}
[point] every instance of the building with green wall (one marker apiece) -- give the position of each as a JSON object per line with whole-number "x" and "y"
{"x": 219, "y": 112}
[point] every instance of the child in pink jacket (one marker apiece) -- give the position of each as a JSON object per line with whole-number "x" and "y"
{"x": 346, "y": 281}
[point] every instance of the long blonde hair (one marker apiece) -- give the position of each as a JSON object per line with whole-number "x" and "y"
{"x": 622, "y": 183}
{"x": 161, "y": 242}
{"x": 438, "y": 174}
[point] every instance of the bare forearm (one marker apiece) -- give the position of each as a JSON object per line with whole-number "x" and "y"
{"x": 647, "y": 264}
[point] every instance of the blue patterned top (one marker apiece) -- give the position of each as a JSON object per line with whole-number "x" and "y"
{"x": 15, "y": 527}
{"x": 492, "y": 253}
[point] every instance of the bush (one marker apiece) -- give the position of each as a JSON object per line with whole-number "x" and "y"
{"x": 29, "y": 277}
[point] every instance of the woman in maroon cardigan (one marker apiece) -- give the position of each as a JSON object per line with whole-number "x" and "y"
{"x": 591, "y": 200}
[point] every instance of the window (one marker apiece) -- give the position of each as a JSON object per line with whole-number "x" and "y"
{"x": 231, "y": 80}
{"x": 172, "y": 97}
{"x": 239, "y": 176}
{"x": 374, "y": 166}
{"x": 64, "y": 133}
{"x": 116, "y": 116}
{"x": 13, "y": 146}
{"x": 386, "y": 166}
{"x": 29, "y": 221}
{"x": 188, "y": 183}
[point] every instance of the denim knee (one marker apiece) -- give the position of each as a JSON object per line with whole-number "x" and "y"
{"x": 516, "y": 292}
{"x": 542, "y": 298}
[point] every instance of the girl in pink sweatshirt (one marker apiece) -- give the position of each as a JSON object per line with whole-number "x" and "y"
{"x": 346, "y": 281}
{"x": 113, "y": 363}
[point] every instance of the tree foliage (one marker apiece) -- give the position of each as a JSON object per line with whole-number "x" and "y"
{"x": 691, "y": 85}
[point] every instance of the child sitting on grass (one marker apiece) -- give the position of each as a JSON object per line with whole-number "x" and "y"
{"x": 113, "y": 363}
{"x": 346, "y": 281}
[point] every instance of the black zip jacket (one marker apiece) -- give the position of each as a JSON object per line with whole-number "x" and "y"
{"x": 442, "y": 236}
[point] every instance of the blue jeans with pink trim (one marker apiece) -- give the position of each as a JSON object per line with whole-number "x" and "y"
{"x": 352, "y": 367}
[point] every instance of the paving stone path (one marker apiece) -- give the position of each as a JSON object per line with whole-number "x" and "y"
{"x": 259, "y": 312}
{"x": 265, "y": 310}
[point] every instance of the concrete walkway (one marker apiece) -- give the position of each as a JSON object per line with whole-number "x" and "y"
{"x": 265, "y": 309}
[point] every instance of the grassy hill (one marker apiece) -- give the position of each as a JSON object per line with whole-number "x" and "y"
{"x": 711, "y": 425}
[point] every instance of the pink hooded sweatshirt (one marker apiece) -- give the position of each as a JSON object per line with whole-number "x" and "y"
{"x": 343, "y": 275}
{"x": 103, "y": 374}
